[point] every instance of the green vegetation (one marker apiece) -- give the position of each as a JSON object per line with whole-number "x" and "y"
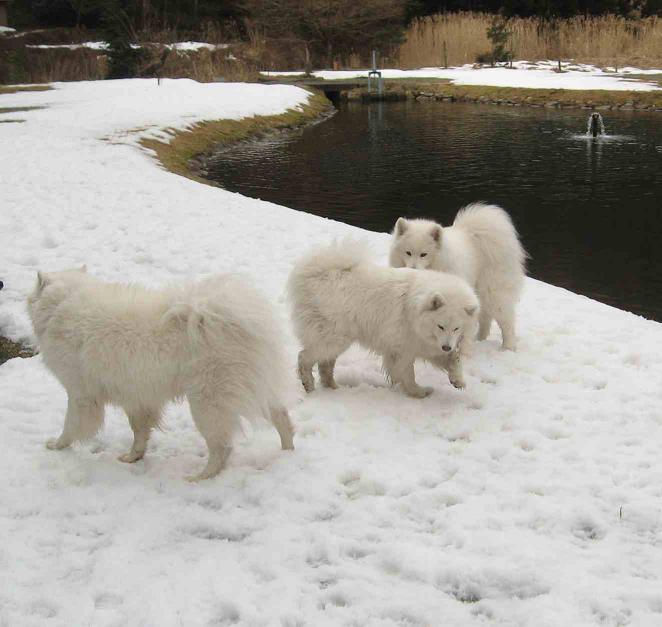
{"x": 12, "y": 89}
{"x": 562, "y": 97}
{"x": 440, "y": 90}
{"x": 186, "y": 145}
{"x": 498, "y": 35}
{"x": 9, "y": 350}
{"x": 18, "y": 109}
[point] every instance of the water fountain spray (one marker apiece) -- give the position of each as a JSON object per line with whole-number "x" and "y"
{"x": 596, "y": 126}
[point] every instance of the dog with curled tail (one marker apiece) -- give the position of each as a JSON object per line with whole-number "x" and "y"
{"x": 214, "y": 342}
{"x": 340, "y": 297}
{"x": 483, "y": 247}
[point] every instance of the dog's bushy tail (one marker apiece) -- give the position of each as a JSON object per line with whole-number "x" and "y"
{"x": 495, "y": 235}
{"x": 342, "y": 255}
{"x": 225, "y": 317}
{"x": 195, "y": 316}
{"x": 221, "y": 308}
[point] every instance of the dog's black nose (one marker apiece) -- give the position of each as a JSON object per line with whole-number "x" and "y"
{"x": 445, "y": 347}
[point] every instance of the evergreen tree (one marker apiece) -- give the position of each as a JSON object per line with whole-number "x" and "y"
{"x": 118, "y": 31}
{"x": 498, "y": 34}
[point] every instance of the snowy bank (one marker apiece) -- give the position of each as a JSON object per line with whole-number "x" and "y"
{"x": 540, "y": 75}
{"x": 532, "y": 498}
{"x": 182, "y": 46}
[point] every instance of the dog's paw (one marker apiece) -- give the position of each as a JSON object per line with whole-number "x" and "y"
{"x": 55, "y": 444}
{"x": 130, "y": 457}
{"x": 420, "y": 392}
{"x": 460, "y": 384}
{"x": 199, "y": 477}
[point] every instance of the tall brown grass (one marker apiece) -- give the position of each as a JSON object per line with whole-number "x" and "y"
{"x": 38, "y": 65}
{"x": 607, "y": 40}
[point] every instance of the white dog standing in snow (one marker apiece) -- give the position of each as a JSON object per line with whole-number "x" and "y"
{"x": 482, "y": 247}
{"x": 340, "y": 297}
{"x": 214, "y": 342}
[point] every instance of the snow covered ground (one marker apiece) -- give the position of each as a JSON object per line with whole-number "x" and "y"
{"x": 532, "y": 498}
{"x": 541, "y": 75}
{"x": 182, "y": 46}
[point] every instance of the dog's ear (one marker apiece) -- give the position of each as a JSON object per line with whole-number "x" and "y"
{"x": 83, "y": 268}
{"x": 436, "y": 303}
{"x": 400, "y": 227}
{"x": 435, "y": 232}
{"x": 470, "y": 311}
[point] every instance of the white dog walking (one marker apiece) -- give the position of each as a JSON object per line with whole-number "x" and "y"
{"x": 214, "y": 342}
{"x": 482, "y": 247}
{"x": 340, "y": 297}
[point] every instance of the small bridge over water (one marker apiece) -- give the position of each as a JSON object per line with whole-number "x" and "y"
{"x": 332, "y": 89}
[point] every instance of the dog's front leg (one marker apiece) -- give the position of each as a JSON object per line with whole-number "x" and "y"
{"x": 452, "y": 364}
{"x": 455, "y": 371}
{"x": 406, "y": 376}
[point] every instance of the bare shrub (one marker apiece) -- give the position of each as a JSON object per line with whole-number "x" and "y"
{"x": 327, "y": 29}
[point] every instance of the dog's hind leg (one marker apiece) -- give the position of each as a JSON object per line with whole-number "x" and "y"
{"x": 506, "y": 320}
{"x": 142, "y": 423}
{"x": 324, "y": 353}
{"x": 217, "y": 421}
{"x": 326, "y": 373}
{"x": 281, "y": 420}
{"x": 484, "y": 324}
{"x": 305, "y": 370}
{"x": 334, "y": 348}
{"x": 82, "y": 421}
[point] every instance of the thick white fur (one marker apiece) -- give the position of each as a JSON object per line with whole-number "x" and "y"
{"x": 339, "y": 297}
{"x": 214, "y": 342}
{"x": 482, "y": 247}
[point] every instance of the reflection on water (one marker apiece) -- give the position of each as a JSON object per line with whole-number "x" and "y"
{"x": 589, "y": 209}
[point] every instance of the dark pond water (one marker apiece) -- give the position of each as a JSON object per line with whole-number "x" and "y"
{"x": 589, "y": 210}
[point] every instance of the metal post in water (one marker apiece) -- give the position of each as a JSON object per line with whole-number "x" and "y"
{"x": 374, "y": 72}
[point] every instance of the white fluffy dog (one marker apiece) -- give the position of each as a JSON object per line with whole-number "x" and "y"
{"x": 214, "y": 342}
{"x": 482, "y": 247}
{"x": 340, "y": 297}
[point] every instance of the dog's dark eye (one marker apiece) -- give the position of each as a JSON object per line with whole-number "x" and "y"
{"x": 442, "y": 328}
{"x": 424, "y": 254}
{"x": 456, "y": 330}
{"x": 409, "y": 252}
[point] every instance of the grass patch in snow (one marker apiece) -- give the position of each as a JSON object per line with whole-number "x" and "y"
{"x": 10, "y": 349}
{"x": 531, "y": 96}
{"x": 562, "y": 96}
{"x": 12, "y": 89}
{"x": 186, "y": 145}
{"x": 646, "y": 78}
{"x": 17, "y": 109}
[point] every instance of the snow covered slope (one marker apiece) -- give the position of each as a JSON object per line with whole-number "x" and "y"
{"x": 531, "y": 498}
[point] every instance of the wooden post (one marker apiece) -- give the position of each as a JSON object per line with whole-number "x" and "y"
{"x": 445, "y": 55}
{"x": 309, "y": 65}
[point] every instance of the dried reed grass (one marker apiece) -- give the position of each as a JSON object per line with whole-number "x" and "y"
{"x": 607, "y": 40}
